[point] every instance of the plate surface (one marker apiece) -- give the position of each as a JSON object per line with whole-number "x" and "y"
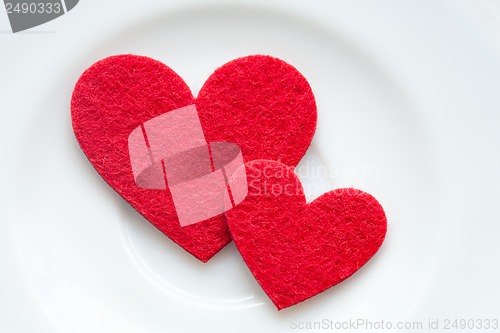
{"x": 407, "y": 110}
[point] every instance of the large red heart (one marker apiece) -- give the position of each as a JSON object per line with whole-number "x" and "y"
{"x": 294, "y": 249}
{"x": 258, "y": 102}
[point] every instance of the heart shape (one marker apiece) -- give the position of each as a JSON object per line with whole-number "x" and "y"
{"x": 294, "y": 249}
{"x": 260, "y": 103}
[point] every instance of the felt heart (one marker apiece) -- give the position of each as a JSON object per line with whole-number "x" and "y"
{"x": 260, "y": 103}
{"x": 294, "y": 249}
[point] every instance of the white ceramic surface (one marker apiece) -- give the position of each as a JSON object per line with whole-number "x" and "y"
{"x": 408, "y": 109}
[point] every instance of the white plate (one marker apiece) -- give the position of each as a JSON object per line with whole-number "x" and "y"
{"x": 408, "y": 110}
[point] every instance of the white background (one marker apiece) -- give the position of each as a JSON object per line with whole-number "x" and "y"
{"x": 408, "y": 97}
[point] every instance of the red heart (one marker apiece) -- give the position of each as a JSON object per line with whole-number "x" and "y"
{"x": 258, "y": 102}
{"x": 296, "y": 250}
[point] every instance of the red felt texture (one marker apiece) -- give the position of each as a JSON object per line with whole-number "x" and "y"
{"x": 261, "y": 103}
{"x": 294, "y": 249}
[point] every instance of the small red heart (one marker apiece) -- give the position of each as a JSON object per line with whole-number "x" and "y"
{"x": 294, "y": 249}
{"x": 260, "y": 103}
